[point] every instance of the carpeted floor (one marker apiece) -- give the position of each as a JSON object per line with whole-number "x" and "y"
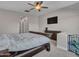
{"x": 55, "y": 52}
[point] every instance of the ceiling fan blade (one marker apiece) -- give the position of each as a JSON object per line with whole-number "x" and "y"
{"x": 38, "y": 2}
{"x": 44, "y": 7}
{"x": 30, "y": 4}
{"x": 29, "y": 10}
{"x": 26, "y": 11}
{"x": 41, "y": 2}
{"x": 32, "y": 8}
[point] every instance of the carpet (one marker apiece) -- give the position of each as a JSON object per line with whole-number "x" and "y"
{"x": 55, "y": 52}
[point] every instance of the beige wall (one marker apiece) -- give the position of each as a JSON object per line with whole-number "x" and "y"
{"x": 68, "y": 20}
{"x": 33, "y": 23}
{"x": 68, "y": 23}
{"x": 9, "y": 21}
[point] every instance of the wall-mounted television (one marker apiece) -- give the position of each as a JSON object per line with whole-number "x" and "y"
{"x": 52, "y": 20}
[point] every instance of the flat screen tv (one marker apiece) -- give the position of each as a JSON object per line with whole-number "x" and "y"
{"x": 52, "y": 20}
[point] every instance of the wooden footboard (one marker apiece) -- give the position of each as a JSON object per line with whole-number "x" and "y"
{"x": 26, "y": 53}
{"x": 33, "y": 51}
{"x": 47, "y": 46}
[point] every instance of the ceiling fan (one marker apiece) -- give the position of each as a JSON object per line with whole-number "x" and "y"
{"x": 37, "y": 5}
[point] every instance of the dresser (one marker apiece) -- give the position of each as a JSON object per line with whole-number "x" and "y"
{"x": 52, "y": 34}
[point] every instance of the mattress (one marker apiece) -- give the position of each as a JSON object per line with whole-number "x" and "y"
{"x": 23, "y": 41}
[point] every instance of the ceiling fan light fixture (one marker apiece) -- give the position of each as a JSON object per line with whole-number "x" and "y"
{"x": 38, "y": 7}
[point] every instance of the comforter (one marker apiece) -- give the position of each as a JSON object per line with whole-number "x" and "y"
{"x": 23, "y": 41}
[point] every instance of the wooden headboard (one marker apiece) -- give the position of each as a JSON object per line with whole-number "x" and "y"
{"x": 39, "y": 33}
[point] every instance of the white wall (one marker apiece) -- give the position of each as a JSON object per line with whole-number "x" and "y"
{"x": 33, "y": 23}
{"x": 9, "y": 21}
{"x": 68, "y": 20}
{"x": 68, "y": 23}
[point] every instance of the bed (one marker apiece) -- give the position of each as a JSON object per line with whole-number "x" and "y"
{"x": 24, "y": 44}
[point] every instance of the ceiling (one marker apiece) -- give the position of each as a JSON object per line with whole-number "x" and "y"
{"x": 20, "y": 6}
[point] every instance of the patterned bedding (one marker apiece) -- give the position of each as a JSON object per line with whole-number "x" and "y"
{"x": 23, "y": 41}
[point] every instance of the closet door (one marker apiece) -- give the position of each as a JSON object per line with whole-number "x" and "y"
{"x": 24, "y": 25}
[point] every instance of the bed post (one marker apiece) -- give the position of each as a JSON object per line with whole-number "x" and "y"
{"x": 47, "y": 46}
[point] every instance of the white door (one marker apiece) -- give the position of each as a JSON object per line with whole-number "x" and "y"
{"x": 24, "y": 25}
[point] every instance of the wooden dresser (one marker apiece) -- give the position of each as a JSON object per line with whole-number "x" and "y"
{"x": 52, "y": 34}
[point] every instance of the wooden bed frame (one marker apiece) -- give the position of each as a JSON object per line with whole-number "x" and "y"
{"x": 40, "y": 33}
{"x": 32, "y": 52}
